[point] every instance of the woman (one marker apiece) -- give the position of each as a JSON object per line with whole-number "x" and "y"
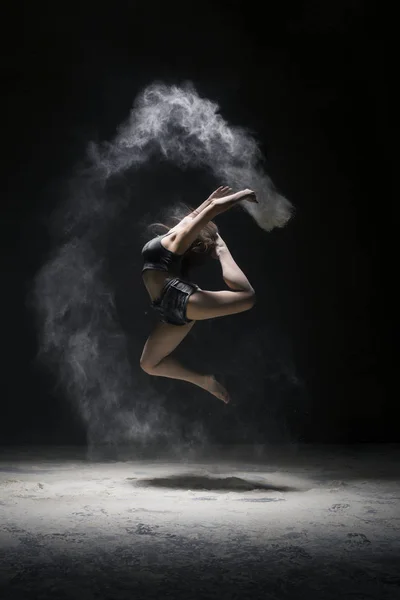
{"x": 180, "y": 303}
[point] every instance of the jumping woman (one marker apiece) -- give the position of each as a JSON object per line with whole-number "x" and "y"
{"x": 179, "y": 302}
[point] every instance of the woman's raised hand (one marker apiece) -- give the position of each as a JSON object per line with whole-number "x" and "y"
{"x": 223, "y": 191}
{"x": 220, "y": 192}
{"x": 248, "y": 195}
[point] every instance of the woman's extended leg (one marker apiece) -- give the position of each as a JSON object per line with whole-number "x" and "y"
{"x": 157, "y": 360}
{"x": 208, "y": 305}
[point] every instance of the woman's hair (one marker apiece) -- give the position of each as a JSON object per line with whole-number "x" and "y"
{"x": 202, "y": 246}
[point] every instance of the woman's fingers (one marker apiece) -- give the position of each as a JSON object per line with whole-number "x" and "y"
{"x": 223, "y": 190}
{"x": 217, "y": 192}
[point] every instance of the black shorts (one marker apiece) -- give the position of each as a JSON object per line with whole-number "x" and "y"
{"x": 171, "y": 305}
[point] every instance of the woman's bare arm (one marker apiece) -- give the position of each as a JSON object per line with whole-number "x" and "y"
{"x": 187, "y": 231}
{"x": 224, "y": 203}
{"x": 220, "y": 192}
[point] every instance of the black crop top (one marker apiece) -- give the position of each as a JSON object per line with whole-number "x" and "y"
{"x": 158, "y": 258}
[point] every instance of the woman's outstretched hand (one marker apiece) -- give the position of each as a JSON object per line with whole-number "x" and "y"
{"x": 224, "y": 197}
{"x": 220, "y": 192}
{"x": 225, "y": 190}
{"x": 249, "y": 195}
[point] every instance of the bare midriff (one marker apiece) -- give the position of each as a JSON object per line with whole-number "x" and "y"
{"x": 154, "y": 282}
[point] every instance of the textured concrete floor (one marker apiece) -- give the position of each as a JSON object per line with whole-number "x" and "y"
{"x": 314, "y": 523}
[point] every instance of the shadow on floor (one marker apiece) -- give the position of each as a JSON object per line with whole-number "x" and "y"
{"x": 205, "y": 483}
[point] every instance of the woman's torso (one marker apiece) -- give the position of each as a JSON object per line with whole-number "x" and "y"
{"x": 160, "y": 250}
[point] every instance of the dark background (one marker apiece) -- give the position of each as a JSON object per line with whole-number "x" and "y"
{"x": 308, "y": 78}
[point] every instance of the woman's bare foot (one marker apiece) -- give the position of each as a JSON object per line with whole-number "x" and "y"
{"x": 216, "y": 389}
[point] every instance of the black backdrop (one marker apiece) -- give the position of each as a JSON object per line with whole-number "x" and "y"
{"x": 310, "y": 80}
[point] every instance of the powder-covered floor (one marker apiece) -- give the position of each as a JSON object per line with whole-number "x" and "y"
{"x": 290, "y": 523}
